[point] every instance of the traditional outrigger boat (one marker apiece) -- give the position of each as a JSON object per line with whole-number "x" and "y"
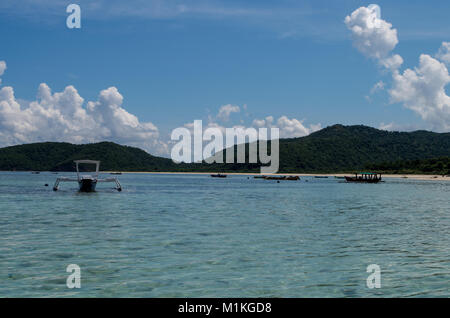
{"x": 87, "y": 183}
{"x": 367, "y": 177}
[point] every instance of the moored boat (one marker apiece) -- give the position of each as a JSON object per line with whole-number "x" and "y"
{"x": 218, "y": 175}
{"x": 365, "y": 177}
{"x": 275, "y": 178}
{"x": 87, "y": 183}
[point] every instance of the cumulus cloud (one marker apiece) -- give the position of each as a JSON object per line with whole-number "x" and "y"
{"x": 373, "y": 36}
{"x": 421, "y": 89}
{"x": 2, "y": 69}
{"x": 267, "y": 122}
{"x": 62, "y": 116}
{"x": 289, "y": 128}
{"x": 226, "y": 110}
{"x": 444, "y": 52}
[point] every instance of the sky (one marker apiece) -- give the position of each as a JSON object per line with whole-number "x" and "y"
{"x": 136, "y": 69}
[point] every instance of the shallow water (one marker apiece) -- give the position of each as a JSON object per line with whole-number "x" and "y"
{"x": 196, "y": 236}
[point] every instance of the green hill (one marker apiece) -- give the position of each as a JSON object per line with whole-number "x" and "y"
{"x": 341, "y": 148}
{"x": 55, "y": 156}
{"x": 427, "y": 166}
{"x": 336, "y": 148}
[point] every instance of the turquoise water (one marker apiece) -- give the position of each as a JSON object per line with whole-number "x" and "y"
{"x": 196, "y": 236}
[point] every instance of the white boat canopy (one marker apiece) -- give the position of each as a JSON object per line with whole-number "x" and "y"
{"x": 93, "y": 162}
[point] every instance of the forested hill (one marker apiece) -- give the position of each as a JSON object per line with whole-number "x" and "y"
{"x": 55, "y": 156}
{"x": 341, "y": 148}
{"x": 336, "y": 148}
{"x": 426, "y": 166}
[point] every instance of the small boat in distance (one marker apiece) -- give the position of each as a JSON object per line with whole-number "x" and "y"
{"x": 117, "y": 173}
{"x": 290, "y": 178}
{"x": 365, "y": 177}
{"x": 218, "y": 175}
{"x": 35, "y": 172}
{"x": 87, "y": 183}
{"x": 321, "y": 177}
{"x": 275, "y": 178}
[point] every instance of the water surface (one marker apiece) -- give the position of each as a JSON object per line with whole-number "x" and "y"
{"x": 196, "y": 236}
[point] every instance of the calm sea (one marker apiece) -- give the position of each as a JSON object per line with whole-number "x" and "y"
{"x": 196, "y": 236}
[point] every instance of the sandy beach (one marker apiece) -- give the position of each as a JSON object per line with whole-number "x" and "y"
{"x": 397, "y": 176}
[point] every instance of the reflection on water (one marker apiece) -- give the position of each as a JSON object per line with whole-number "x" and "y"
{"x": 197, "y": 236}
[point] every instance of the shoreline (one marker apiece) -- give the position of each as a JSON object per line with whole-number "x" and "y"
{"x": 332, "y": 175}
{"x": 422, "y": 177}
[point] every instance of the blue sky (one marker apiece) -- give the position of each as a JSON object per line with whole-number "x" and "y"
{"x": 176, "y": 61}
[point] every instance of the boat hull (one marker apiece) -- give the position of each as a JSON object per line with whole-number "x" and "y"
{"x": 87, "y": 185}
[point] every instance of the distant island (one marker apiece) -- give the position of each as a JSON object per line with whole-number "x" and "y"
{"x": 333, "y": 149}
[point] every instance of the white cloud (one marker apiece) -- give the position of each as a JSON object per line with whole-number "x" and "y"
{"x": 267, "y": 122}
{"x": 423, "y": 91}
{"x": 393, "y": 62}
{"x": 373, "y": 36}
{"x": 226, "y": 110}
{"x": 388, "y": 127}
{"x": 401, "y": 127}
{"x": 2, "y": 69}
{"x": 61, "y": 116}
{"x": 444, "y": 52}
{"x": 289, "y": 128}
{"x": 377, "y": 87}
